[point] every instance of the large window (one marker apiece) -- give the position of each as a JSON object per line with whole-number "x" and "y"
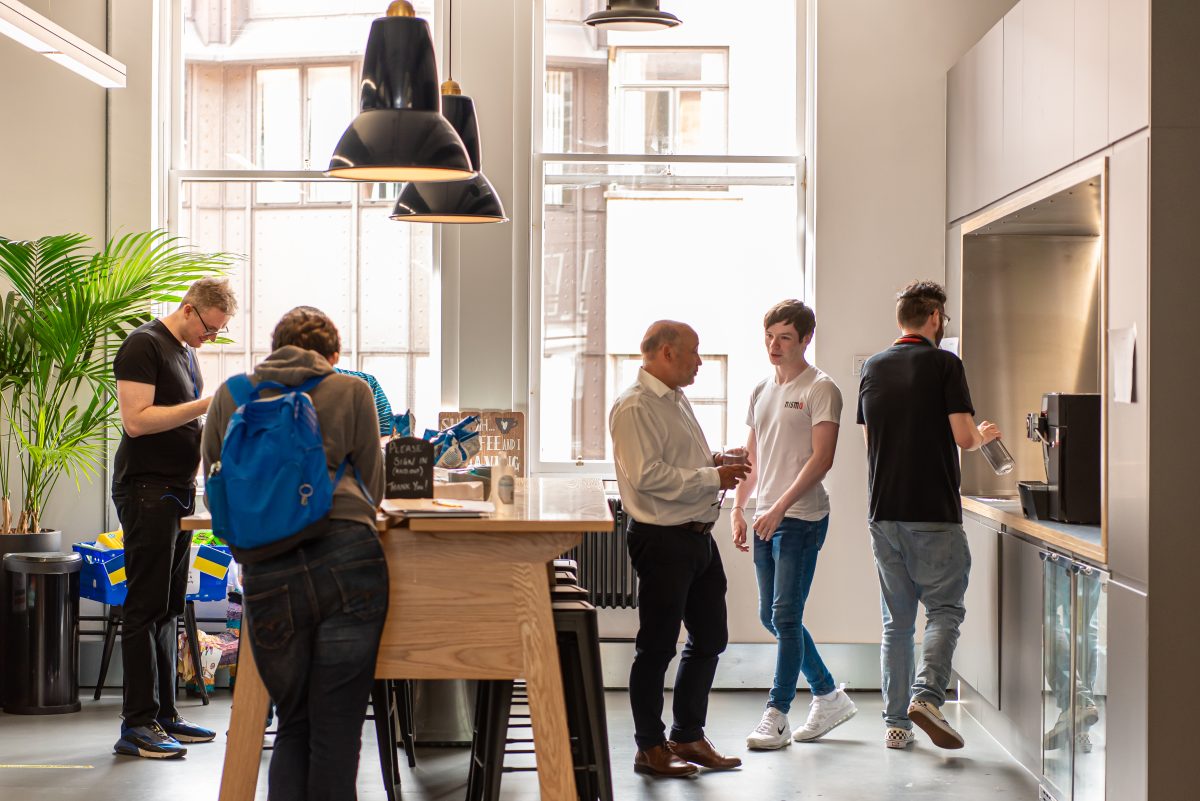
{"x": 268, "y": 88}
{"x": 671, "y": 187}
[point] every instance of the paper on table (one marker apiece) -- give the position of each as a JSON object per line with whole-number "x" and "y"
{"x": 1122, "y": 343}
{"x": 436, "y": 507}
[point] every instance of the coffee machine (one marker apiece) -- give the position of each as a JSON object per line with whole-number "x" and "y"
{"x": 1068, "y": 427}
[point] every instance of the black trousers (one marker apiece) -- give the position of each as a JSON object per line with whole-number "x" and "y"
{"x": 156, "y": 566}
{"x": 680, "y": 581}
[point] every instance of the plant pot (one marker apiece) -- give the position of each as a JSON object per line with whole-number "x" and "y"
{"x": 19, "y": 543}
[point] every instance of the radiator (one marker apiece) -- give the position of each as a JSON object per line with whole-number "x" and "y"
{"x": 604, "y": 568}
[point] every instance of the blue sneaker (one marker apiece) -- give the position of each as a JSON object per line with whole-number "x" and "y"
{"x": 150, "y": 742}
{"x": 186, "y": 732}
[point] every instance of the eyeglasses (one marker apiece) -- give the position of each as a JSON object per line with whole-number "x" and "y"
{"x": 945, "y": 317}
{"x": 209, "y": 331}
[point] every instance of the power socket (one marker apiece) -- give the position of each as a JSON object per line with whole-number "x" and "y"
{"x": 857, "y": 368}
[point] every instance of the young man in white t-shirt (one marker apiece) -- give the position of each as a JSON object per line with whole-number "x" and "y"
{"x": 794, "y": 420}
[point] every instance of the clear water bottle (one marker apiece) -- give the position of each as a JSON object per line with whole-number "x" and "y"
{"x": 998, "y": 457}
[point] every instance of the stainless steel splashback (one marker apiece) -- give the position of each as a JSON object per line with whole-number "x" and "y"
{"x": 1031, "y": 322}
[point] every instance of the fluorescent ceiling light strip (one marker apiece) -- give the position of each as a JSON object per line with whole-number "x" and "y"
{"x": 24, "y": 25}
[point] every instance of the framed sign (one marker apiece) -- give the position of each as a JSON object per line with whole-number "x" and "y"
{"x": 408, "y": 468}
{"x": 500, "y": 434}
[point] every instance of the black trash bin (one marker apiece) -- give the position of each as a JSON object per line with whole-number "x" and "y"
{"x": 42, "y": 633}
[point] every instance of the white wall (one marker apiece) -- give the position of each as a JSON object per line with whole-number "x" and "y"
{"x": 877, "y": 221}
{"x": 62, "y": 158}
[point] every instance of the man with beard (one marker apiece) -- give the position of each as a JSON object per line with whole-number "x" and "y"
{"x": 915, "y": 408}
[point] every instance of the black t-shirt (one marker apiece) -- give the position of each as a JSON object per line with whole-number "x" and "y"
{"x": 905, "y": 397}
{"x": 152, "y": 355}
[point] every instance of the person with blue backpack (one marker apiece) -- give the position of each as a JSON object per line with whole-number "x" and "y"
{"x": 294, "y": 470}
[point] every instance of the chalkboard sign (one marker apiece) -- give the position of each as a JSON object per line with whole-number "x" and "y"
{"x": 408, "y": 465}
{"x": 501, "y": 433}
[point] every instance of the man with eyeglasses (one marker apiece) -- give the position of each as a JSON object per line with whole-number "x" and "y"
{"x": 670, "y": 485}
{"x": 160, "y": 393}
{"x": 915, "y": 409}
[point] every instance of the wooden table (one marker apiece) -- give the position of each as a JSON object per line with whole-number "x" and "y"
{"x": 469, "y": 599}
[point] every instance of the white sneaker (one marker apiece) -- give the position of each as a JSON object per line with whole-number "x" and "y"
{"x": 930, "y": 718}
{"x": 771, "y": 732}
{"x": 898, "y": 738}
{"x": 824, "y": 715}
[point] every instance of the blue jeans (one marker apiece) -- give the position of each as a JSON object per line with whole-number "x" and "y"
{"x": 785, "y": 568}
{"x": 927, "y": 563}
{"x": 314, "y": 616}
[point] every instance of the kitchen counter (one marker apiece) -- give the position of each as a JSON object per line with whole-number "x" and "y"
{"x": 1086, "y": 542}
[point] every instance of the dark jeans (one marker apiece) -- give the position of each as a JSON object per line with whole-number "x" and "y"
{"x": 314, "y": 616}
{"x": 156, "y": 564}
{"x": 680, "y": 580}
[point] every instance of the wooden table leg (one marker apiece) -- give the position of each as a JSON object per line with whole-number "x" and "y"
{"x": 243, "y": 746}
{"x": 547, "y": 709}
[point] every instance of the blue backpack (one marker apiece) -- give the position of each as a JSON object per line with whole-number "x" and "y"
{"x": 271, "y": 481}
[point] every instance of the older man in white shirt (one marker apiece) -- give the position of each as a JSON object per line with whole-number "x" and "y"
{"x": 670, "y": 482}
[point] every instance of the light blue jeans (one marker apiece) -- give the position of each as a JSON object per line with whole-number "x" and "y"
{"x": 927, "y": 563}
{"x": 785, "y": 568}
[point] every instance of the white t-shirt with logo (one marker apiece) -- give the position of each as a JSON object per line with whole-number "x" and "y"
{"x": 783, "y": 416}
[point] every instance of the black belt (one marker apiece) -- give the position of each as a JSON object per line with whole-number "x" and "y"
{"x": 694, "y": 526}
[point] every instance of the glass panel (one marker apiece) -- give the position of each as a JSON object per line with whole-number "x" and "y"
{"x": 386, "y": 283}
{"x": 225, "y": 52}
{"x": 277, "y": 130}
{"x": 1057, "y": 726}
{"x": 392, "y": 374}
{"x": 330, "y": 100}
{"x": 701, "y": 123}
{"x": 1091, "y": 678}
{"x": 608, "y": 272}
{"x": 712, "y": 422}
{"x": 714, "y": 49}
{"x": 301, "y": 257}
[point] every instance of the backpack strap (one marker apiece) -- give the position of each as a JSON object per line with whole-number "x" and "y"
{"x": 241, "y": 388}
{"x": 337, "y": 479}
{"x": 306, "y": 386}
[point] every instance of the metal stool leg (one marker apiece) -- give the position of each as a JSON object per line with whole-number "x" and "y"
{"x": 403, "y": 691}
{"x": 110, "y": 640}
{"x": 385, "y": 735}
{"x": 189, "y": 625}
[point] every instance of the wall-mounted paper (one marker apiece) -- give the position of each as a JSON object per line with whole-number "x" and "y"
{"x": 1122, "y": 345}
{"x": 951, "y": 344}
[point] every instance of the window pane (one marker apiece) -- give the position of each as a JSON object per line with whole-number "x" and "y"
{"x": 711, "y": 418}
{"x": 701, "y": 126}
{"x": 387, "y": 280}
{"x": 330, "y": 99}
{"x": 392, "y": 374}
{"x": 716, "y": 49}
{"x": 609, "y": 272}
{"x": 277, "y": 128}
{"x": 223, "y": 53}
{"x": 301, "y": 257}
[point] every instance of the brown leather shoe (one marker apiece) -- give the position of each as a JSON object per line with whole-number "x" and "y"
{"x": 659, "y": 761}
{"x": 703, "y": 753}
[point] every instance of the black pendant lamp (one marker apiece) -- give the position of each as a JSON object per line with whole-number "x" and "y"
{"x": 632, "y": 15}
{"x": 400, "y": 134}
{"x": 473, "y": 200}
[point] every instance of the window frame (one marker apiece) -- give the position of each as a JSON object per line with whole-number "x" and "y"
{"x": 621, "y": 88}
{"x": 533, "y": 351}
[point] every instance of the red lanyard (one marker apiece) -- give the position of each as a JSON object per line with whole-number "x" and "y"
{"x": 911, "y": 339}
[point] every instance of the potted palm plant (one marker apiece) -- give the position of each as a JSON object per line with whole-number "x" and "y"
{"x": 67, "y": 311}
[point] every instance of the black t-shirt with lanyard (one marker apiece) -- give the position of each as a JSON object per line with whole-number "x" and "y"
{"x": 152, "y": 355}
{"x": 905, "y": 397}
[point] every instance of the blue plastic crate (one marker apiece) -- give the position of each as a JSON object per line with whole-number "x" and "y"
{"x": 102, "y": 577}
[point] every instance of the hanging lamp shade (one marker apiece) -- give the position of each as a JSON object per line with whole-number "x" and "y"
{"x": 400, "y": 133}
{"x": 473, "y": 200}
{"x": 632, "y": 15}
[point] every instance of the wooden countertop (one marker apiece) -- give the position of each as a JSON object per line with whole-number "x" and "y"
{"x": 554, "y": 504}
{"x": 1083, "y": 541}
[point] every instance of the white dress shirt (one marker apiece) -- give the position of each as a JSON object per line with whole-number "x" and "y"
{"x": 665, "y": 469}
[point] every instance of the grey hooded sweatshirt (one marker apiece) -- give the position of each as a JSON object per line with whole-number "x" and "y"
{"x": 349, "y": 426}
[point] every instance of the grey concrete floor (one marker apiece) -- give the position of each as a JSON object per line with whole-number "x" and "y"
{"x": 73, "y": 759}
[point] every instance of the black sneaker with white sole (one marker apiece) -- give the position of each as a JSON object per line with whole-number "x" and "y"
{"x": 150, "y": 742}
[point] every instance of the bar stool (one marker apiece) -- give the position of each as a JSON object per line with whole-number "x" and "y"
{"x": 583, "y": 690}
{"x": 392, "y": 711}
{"x": 114, "y": 622}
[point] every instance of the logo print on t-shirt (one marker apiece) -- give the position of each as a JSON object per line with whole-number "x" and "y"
{"x": 793, "y": 404}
